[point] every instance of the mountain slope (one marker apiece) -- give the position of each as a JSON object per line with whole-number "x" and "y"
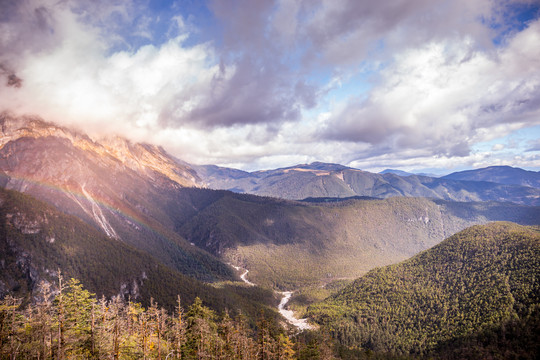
{"x": 290, "y": 244}
{"x": 499, "y": 174}
{"x": 128, "y": 193}
{"x": 36, "y": 240}
{"x": 331, "y": 180}
{"x": 476, "y": 281}
{"x": 126, "y": 190}
{"x": 395, "y": 172}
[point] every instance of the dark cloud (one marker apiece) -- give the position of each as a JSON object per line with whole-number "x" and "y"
{"x": 255, "y": 84}
{"x": 256, "y": 92}
{"x": 347, "y": 31}
{"x": 244, "y": 24}
{"x": 12, "y": 80}
{"x": 27, "y": 28}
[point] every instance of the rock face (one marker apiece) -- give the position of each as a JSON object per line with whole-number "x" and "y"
{"x": 126, "y": 190}
{"x": 93, "y": 179}
{"x": 113, "y": 152}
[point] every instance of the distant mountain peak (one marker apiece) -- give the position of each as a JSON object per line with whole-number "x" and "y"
{"x": 396, "y": 172}
{"x": 503, "y": 174}
{"x": 318, "y": 165}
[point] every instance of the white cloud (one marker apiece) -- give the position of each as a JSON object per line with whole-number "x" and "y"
{"x": 446, "y": 96}
{"x": 77, "y": 82}
{"x": 242, "y": 98}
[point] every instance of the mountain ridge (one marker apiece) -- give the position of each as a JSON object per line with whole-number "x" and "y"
{"x": 114, "y": 190}
{"x": 332, "y": 180}
{"x": 499, "y": 174}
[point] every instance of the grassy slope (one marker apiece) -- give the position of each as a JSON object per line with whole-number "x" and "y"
{"x": 454, "y": 293}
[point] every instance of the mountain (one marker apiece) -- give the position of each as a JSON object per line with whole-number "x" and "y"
{"x": 331, "y": 180}
{"x": 36, "y": 240}
{"x": 291, "y": 244}
{"x": 475, "y": 295}
{"x": 395, "y": 172}
{"x": 127, "y": 190}
{"x": 139, "y": 195}
{"x": 499, "y": 174}
{"x": 154, "y": 207}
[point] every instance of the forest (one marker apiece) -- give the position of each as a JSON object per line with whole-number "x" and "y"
{"x": 71, "y": 323}
{"x": 476, "y": 295}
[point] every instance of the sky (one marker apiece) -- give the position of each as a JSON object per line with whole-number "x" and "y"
{"x": 417, "y": 85}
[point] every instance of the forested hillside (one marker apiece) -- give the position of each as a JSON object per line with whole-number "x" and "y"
{"x": 475, "y": 295}
{"x": 289, "y": 244}
{"x": 72, "y": 324}
{"x": 36, "y": 240}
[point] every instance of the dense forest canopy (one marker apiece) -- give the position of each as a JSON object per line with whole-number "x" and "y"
{"x": 482, "y": 283}
{"x": 71, "y": 323}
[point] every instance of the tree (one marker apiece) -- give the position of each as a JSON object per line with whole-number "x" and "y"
{"x": 78, "y": 305}
{"x": 9, "y": 324}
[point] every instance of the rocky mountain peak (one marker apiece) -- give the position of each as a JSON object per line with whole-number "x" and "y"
{"x": 135, "y": 156}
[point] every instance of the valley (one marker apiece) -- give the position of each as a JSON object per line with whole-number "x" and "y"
{"x": 300, "y": 324}
{"x": 129, "y": 220}
{"x": 269, "y": 180}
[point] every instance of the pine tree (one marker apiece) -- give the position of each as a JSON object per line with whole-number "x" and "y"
{"x": 78, "y": 304}
{"x": 9, "y": 324}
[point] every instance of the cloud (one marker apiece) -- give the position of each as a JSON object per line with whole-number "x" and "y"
{"x": 255, "y": 84}
{"x": 445, "y": 96}
{"x": 11, "y": 78}
{"x": 269, "y": 82}
{"x": 245, "y": 93}
{"x": 82, "y": 68}
{"x": 75, "y": 74}
{"x": 533, "y": 146}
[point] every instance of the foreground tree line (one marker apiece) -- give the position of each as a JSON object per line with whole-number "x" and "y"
{"x": 70, "y": 323}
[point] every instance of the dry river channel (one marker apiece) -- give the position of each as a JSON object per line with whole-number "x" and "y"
{"x": 300, "y": 324}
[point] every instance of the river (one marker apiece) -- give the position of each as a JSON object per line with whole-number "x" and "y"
{"x": 300, "y": 324}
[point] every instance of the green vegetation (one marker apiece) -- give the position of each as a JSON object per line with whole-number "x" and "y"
{"x": 289, "y": 245}
{"x": 308, "y": 295}
{"x": 474, "y": 294}
{"x": 72, "y": 324}
{"x": 36, "y": 240}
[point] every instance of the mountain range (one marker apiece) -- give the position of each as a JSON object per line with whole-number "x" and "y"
{"x": 333, "y": 180}
{"x": 130, "y": 219}
{"x": 140, "y": 195}
{"x": 499, "y": 174}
